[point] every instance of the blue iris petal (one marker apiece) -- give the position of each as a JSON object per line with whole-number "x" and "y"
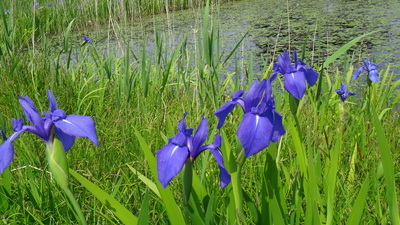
{"x": 170, "y": 161}
{"x": 254, "y": 133}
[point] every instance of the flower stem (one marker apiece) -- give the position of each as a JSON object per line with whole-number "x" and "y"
{"x": 58, "y": 165}
{"x": 187, "y": 188}
{"x": 237, "y": 188}
{"x": 75, "y": 204}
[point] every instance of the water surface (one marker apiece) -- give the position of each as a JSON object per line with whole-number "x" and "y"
{"x": 315, "y": 28}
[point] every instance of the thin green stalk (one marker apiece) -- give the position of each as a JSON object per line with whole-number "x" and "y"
{"x": 187, "y": 188}
{"x": 237, "y": 188}
{"x": 75, "y": 204}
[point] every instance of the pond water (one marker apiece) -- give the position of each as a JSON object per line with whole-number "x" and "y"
{"x": 319, "y": 27}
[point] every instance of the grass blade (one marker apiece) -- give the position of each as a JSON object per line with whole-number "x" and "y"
{"x": 113, "y": 205}
{"x": 144, "y": 210}
{"x": 173, "y": 210}
{"x": 150, "y": 184}
{"x": 358, "y": 207}
{"x": 388, "y": 169}
{"x": 344, "y": 48}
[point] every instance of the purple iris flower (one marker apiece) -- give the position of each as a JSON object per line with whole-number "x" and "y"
{"x": 342, "y": 92}
{"x": 87, "y": 39}
{"x": 295, "y": 76}
{"x": 184, "y": 146}
{"x": 371, "y": 68}
{"x": 55, "y": 122}
{"x": 261, "y": 123}
{"x": 7, "y": 12}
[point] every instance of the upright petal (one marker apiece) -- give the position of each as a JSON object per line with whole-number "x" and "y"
{"x": 254, "y": 95}
{"x": 199, "y": 137}
{"x": 182, "y": 126}
{"x": 254, "y": 133}
{"x": 52, "y": 101}
{"x": 17, "y": 124}
{"x": 295, "y": 84}
{"x": 78, "y": 126}
{"x": 170, "y": 161}
{"x": 285, "y": 64}
{"x": 343, "y": 87}
{"x": 34, "y": 117}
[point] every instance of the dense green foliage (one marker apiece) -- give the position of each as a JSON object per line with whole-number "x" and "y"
{"x": 338, "y": 163}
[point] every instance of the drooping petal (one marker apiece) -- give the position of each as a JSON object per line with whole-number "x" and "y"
{"x": 223, "y": 112}
{"x": 279, "y": 129}
{"x": 224, "y": 176}
{"x": 295, "y": 84}
{"x": 170, "y": 161}
{"x": 254, "y": 133}
{"x": 357, "y": 72}
{"x": 52, "y": 101}
{"x": 310, "y": 74}
{"x": 374, "y": 76}
{"x": 78, "y": 126}
{"x": 7, "y": 151}
{"x": 66, "y": 140}
{"x": 199, "y": 137}
{"x": 34, "y": 117}
{"x": 6, "y": 155}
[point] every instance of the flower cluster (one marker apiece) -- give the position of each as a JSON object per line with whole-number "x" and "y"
{"x": 54, "y": 123}
{"x": 261, "y": 123}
